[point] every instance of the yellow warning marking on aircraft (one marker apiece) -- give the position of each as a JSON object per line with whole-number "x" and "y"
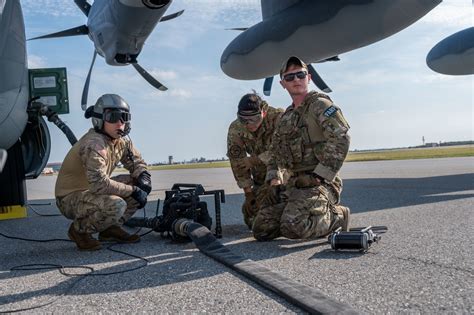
{"x": 12, "y": 212}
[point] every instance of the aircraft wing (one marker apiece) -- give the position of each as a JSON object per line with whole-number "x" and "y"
{"x": 315, "y": 30}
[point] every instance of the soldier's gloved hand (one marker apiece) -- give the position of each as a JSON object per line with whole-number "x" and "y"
{"x": 307, "y": 180}
{"x": 250, "y": 204}
{"x": 251, "y": 161}
{"x": 250, "y": 198}
{"x": 144, "y": 182}
{"x": 140, "y": 196}
{"x": 274, "y": 194}
{"x": 270, "y": 195}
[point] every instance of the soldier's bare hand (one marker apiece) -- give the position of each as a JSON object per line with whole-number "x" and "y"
{"x": 275, "y": 182}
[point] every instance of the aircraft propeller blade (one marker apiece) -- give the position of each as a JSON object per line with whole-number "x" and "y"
{"x": 78, "y": 30}
{"x": 318, "y": 80}
{"x": 150, "y": 79}
{"x": 85, "y": 91}
{"x": 171, "y": 16}
{"x": 3, "y": 158}
{"x": 333, "y": 58}
{"x": 84, "y": 6}
{"x": 237, "y": 29}
{"x": 267, "y": 86}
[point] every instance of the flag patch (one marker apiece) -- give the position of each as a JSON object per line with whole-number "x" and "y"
{"x": 330, "y": 111}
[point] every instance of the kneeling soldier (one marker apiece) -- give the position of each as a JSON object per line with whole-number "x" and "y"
{"x": 248, "y": 144}
{"x": 311, "y": 141}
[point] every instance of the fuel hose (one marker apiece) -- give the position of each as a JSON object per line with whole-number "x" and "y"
{"x": 300, "y": 295}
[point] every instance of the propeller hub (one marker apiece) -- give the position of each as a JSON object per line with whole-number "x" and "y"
{"x": 126, "y": 58}
{"x": 155, "y": 4}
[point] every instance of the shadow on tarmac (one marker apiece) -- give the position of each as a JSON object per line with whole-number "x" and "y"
{"x": 171, "y": 263}
{"x": 363, "y": 195}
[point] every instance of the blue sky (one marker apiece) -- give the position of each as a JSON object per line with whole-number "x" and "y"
{"x": 387, "y": 93}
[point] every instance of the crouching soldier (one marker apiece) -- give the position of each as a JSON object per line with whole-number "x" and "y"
{"x": 85, "y": 191}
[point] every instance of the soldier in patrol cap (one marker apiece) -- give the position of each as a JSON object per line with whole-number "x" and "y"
{"x": 248, "y": 144}
{"x": 311, "y": 141}
{"x": 85, "y": 191}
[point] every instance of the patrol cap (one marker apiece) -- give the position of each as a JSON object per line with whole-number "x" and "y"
{"x": 293, "y": 60}
{"x": 250, "y": 104}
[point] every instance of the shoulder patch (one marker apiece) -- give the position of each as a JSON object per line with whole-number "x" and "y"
{"x": 235, "y": 151}
{"x": 101, "y": 150}
{"x": 330, "y": 111}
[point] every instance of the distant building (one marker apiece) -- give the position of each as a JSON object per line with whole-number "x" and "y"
{"x": 47, "y": 171}
{"x": 55, "y": 166}
{"x": 170, "y": 159}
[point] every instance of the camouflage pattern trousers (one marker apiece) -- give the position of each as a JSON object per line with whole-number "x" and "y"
{"x": 302, "y": 213}
{"x": 92, "y": 213}
{"x": 249, "y": 212}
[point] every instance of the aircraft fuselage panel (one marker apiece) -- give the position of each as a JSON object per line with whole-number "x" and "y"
{"x": 13, "y": 74}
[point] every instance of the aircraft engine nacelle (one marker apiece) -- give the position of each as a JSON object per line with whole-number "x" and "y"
{"x": 119, "y": 28}
{"x": 314, "y": 31}
{"x": 454, "y": 55}
{"x": 13, "y": 74}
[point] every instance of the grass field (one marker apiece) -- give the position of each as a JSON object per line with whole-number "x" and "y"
{"x": 395, "y": 154}
{"x": 408, "y": 154}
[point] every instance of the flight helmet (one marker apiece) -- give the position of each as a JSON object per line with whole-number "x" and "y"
{"x": 109, "y": 101}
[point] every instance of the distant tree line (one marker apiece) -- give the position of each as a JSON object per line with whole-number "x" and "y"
{"x": 193, "y": 160}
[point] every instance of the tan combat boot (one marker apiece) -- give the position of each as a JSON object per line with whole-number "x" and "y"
{"x": 84, "y": 241}
{"x": 116, "y": 234}
{"x": 347, "y": 218}
{"x": 337, "y": 221}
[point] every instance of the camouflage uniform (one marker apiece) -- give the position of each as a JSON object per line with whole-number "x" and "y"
{"x": 310, "y": 140}
{"x": 87, "y": 194}
{"x": 240, "y": 143}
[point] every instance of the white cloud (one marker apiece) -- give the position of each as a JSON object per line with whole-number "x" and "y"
{"x": 50, "y": 7}
{"x": 451, "y": 14}
{"x": 181, "y": 93}
{"x": 239, "y": 10}
{"x": 35, "y": 61}
{"x": 202, "y": 17}
{"x": 432, "y": 78}
{"x": 173, "y": 96}
{"x": 164, "y": 74}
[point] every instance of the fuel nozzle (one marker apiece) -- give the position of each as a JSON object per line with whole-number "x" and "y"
{"x": 360, "y": 239}
{"x": 180, "y": 227}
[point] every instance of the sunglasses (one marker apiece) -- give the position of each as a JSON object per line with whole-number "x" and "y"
{"x": 250, "y": 120}
{"x": 291, "y": 76}
{"x": 114, "y": 116}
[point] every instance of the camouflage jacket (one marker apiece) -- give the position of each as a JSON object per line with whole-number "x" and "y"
{"x": 312, "y": 137}
{"x": 241, "y": 142}
{"x": 91, "y": 161}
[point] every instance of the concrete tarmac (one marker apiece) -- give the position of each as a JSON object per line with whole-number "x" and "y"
{"x": 423, "y": 264}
